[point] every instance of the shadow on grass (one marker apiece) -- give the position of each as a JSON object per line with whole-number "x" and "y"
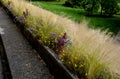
{"x": 112, "y": 24}
{"x": 98, "y": 15}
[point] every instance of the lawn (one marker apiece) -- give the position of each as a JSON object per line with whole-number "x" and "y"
{"x": 112, "y": 24}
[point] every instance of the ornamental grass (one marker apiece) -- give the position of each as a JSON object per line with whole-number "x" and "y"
{"x": 88, "y": 53}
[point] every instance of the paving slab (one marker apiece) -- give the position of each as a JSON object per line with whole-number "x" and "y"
{"x": 24, "y": 61}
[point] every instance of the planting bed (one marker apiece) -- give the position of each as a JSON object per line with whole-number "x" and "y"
{"x": 89, "y": 53}
{"x": 55, "y": 65}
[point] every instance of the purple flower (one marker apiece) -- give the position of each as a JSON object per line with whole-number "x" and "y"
{"x": 56, "y": 41}
{"x": 61, "y": 42}
{"x": 53, "y": 33}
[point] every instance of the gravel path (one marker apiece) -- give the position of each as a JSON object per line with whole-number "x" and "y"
{"x": 24, "y": 61}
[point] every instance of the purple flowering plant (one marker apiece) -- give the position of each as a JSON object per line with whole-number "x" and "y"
{"x": 57, "y": 42}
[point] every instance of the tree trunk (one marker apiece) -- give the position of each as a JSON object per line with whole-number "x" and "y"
{"x": 101, "y": 10}
{"x": 101, "y": 5}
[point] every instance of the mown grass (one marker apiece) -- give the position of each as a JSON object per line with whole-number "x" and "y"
{"x": 58, "y": 8}
{"x": 112, "y": 24}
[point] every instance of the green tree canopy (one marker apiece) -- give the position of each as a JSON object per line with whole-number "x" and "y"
{"x": 90, "y": 5}
{"x": 108, "y": 7}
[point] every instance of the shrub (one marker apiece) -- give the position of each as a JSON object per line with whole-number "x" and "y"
{"x": 110, "y": 7}
{"x": 68, "y": 4}
{"x": 72, "y": 3}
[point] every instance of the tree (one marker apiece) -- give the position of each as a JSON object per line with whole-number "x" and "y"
{"x": 90, "y": 5}
{"x": 73, "y": 3}
{"x": 101, "y": 2}
{"x": 109, "y": 7}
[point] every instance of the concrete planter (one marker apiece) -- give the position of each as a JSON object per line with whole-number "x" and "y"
{"x": 54, "y": 64}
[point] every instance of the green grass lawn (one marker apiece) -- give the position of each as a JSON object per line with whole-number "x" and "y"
{"x": 112, "y": 24}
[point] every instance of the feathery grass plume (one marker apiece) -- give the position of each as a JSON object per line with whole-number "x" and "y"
{"x": 91, "y": 54}
{"x": 4, "y": 1}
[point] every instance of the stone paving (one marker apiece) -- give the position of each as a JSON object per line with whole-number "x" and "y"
{"x": 24, "y": 61}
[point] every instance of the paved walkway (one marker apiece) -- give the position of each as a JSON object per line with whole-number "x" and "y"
{"x": 24, "y": 61}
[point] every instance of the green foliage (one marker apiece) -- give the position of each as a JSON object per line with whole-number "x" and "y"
{"x": 90, "y": 6}
{"x": 73, "y": 3}
{"x": 110, "y": 7}
{"x": 68, "y": 4}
